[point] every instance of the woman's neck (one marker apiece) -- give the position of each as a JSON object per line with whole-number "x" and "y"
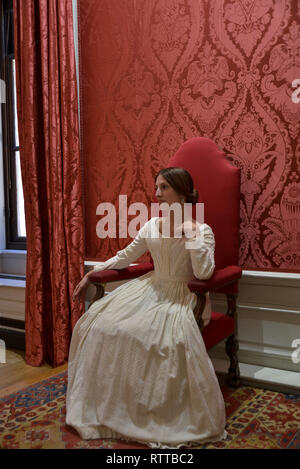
{"x": 175, "y": 219}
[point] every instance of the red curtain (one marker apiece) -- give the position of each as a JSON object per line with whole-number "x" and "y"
{"x": 50, "y": 163}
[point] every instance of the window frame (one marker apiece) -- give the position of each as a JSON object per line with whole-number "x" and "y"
{"x": 13, "y": 240}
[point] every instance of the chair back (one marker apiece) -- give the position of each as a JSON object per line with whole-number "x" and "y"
{"x": 218, "y": 184}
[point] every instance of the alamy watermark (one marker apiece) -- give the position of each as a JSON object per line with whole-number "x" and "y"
{"x": 182, "y": 217}
{"x": 2, "y": 351}
{"x": 296, "y": 93}
{"x": 296, "y": 353}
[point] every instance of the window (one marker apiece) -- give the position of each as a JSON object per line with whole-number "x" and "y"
{"x": 14, "y": 203}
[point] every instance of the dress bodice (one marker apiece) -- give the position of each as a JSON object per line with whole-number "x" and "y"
{"x": 171, "y": 259}
{"x": 178, "y": 258}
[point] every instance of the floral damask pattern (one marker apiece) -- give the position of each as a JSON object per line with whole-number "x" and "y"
{"x": 281, "y": 69}
{"x": 282, "y": 236}
{"x": 171, "y": 23}
{"x": 208, "y": 89}
{"x": 156, "y": 73}
{"x": 139, "y": 98}
{"x": 246, "y": 21}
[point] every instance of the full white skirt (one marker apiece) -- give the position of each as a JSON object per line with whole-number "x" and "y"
{"x": 138, "y": 369}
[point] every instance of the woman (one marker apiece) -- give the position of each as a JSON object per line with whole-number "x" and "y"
{"x": 138, "y": 367}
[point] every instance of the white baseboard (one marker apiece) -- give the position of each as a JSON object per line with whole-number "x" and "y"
{"x": 13, "y": 261}
{"x": 12, "y": 299}
{"x": 268, "y": 318}
{"x": 263, "y": 377}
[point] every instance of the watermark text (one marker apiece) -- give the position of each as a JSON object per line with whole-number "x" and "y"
{"x": 296, "y": 93}
{"x": 115, "y": 221}
{"x": 296, "y": 353}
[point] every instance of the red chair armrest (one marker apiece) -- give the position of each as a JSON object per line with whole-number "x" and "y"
{"x": 113, "y": 275}
{"x": 219, "y": 279}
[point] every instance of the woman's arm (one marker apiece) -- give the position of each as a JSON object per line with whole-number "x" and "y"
{"x": 128, "y": 255}
{"x": 202, "y": 252}
{"x": 121, "y": 260}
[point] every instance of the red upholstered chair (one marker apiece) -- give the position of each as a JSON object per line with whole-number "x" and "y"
{"x": 218, "y": 184}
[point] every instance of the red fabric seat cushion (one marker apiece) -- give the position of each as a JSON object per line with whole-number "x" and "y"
{"x": 221, "y": 326}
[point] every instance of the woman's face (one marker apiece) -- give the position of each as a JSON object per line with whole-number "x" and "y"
{"x": 164, "y": 192}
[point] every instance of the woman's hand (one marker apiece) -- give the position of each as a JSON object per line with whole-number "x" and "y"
{"x": 81, "y": 287}
{"x": 191, "y": 229}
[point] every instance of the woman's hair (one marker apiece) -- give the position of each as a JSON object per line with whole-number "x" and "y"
{"x": 181, "y": 181}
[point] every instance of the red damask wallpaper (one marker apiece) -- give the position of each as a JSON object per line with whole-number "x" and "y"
{"x": 154, "y": 73}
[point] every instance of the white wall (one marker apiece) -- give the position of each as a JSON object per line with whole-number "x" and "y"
{"x": 268, "y": 308}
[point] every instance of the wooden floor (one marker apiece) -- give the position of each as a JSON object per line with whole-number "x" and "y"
{"x": 15, "y": 374}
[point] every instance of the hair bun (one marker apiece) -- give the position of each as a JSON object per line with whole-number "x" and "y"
{"x": 193, "y": 197}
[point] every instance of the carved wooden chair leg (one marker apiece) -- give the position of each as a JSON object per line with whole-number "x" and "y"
{"x": 99, "y": 292}
{"x": 199, "y": 308}
{"x": 232, "y": 346}
{"x": 233, "y": 376}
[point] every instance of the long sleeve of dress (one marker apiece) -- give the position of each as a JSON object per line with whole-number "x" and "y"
{"x": 202, "y": 253}
{"x": 128, "y": 255}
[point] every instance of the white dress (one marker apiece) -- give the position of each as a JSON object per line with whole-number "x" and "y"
{"x": 138, "y": 367}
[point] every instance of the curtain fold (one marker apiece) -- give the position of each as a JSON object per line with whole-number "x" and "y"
{"x": 51, "y": 174}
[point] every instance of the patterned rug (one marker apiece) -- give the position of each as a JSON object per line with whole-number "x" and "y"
{"x": 34, "y": 418}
